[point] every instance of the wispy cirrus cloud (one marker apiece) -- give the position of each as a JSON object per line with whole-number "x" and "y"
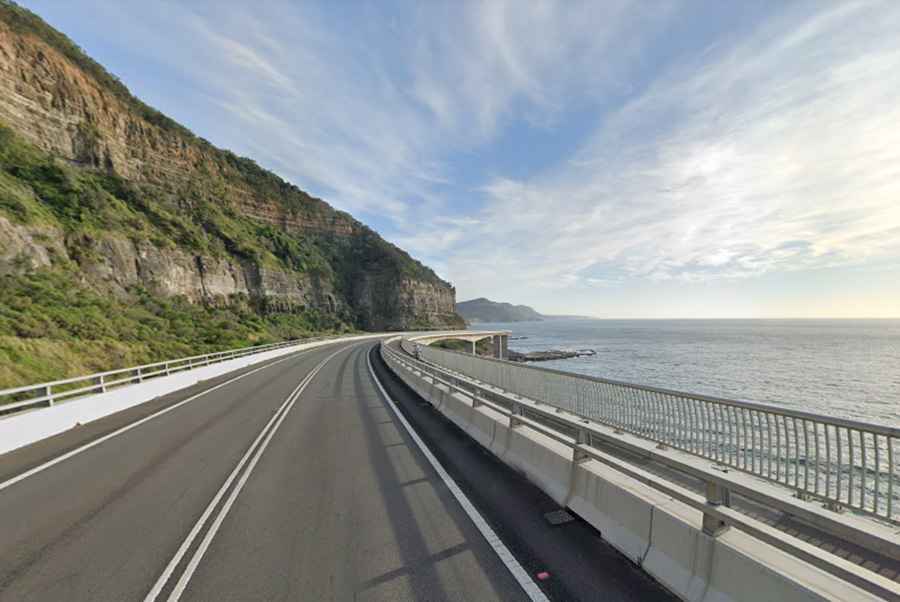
{"x": 542, "y": 151}
{"x": 779, "y": 151}
{"x": 371, "y": 108}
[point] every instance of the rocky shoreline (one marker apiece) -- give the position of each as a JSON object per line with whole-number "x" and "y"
{"x": 544, "y": 356}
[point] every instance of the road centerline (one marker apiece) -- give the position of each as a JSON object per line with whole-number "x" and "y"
{"x": 256, "y": 450}
{"x": 122, "y": 430}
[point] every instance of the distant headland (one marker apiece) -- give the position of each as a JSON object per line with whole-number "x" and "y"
{"x": 485, "y": 310}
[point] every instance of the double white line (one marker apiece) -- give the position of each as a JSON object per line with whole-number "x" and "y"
{"x": 253, "y": 454}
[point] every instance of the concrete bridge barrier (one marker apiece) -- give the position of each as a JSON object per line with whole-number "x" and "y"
{"x": 663, "y": 535}
{"x": 545, "y": 462}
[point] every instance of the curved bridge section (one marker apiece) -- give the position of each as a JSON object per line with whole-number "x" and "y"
{"x": 499, "y": 339}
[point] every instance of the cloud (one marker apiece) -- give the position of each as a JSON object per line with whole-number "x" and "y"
{"x": 777, "y": 152}
{"x": 670, "y": 142}
{"x": 478, "y": 66}
{"x": 373, "y": 113}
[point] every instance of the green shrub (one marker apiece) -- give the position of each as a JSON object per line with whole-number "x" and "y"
{"x": 45, "y": 307}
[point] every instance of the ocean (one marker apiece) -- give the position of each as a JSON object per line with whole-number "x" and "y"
{"x": 846, "y": 368}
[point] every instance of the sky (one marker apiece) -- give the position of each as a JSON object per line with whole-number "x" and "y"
{"x": 615, "y": 158}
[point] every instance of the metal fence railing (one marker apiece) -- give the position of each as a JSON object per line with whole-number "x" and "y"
{"x": 821, "y": 538}
{"x": 49, "y": 393}
{"x": 845, "y": 463}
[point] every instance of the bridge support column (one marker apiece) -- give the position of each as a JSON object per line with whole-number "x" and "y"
{"x": 504, "y": 346}
{"x": 495, "y": 344}
{"x": 473, "y": 348}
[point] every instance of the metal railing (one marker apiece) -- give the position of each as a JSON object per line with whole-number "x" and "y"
{"x": 49, "y": 393}
{"x": 590, "y": 440}
{"x": 845, "y": 463}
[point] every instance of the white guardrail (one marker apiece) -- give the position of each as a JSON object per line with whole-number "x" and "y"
{"x": 560, "y": 406}
{"x": 49, "y": 393}
{"x": 845, "y": 463}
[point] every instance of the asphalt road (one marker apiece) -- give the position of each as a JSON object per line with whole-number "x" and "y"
{"x": 295, "y": 482}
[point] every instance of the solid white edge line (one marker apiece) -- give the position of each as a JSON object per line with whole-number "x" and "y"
{"x": 128, "y": 427}
{"x": 173, "y": 563}
{"x": 531, "y": 589}
{"x": 185, "y": 578}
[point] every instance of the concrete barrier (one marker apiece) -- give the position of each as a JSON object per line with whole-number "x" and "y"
{"x": 486, "y": 425}
{"x": 454, "y": 408}
{"x": 679, "y": 553}
{"x": 25, "y": 428}
{"x": 622, "y": 513}
{"x": 657, "y": 532}
{"x": 545, "y": 462}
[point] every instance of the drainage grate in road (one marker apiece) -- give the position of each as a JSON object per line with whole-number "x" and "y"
{"x": 558, "y": 517}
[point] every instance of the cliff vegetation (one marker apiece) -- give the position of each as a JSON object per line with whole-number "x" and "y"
{"x": 125, "y": 238}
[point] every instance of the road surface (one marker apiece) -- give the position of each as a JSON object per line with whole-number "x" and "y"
{"x": 296, "y": 481}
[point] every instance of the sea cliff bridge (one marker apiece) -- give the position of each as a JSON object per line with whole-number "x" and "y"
{"x": 381, "y": 467}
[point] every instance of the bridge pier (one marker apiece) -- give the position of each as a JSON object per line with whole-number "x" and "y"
{"x": 500, "y": 343}
{"x": 499, "y": 340}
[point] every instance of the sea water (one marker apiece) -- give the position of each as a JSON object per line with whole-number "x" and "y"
{"x": 846, "y": 368}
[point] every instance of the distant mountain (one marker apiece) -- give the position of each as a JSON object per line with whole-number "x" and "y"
{"x": 485, "y": 310}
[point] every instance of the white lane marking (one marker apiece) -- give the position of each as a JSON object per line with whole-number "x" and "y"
{"x": 185, "y": 578}
{"x": 160, "y": 583}
{"x": 128, "y": 427}
{"x": 533, "y": 592}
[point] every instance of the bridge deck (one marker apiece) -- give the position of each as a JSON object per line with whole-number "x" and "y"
{"x": 333, "y": 500}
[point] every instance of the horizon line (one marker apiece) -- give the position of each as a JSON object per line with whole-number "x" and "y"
{"x": 709, "y": 318}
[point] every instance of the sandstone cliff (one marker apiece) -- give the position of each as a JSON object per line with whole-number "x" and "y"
{"x": 102, "y": 183}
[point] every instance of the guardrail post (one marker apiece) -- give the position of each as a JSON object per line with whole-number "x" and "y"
{"x": 582, "y": 437}
{"x": 716, "y": 495}
{"x": 167, "y": 369}
{"x": 101, "y": 382}
{"x": 48, "y": 393}
{"x": 803, "y": 495}
{"x": 140, "y": 375}
{"x": 515, "y": 415}
{"x": 834, "y": 506}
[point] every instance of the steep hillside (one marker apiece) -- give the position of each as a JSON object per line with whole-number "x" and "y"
{"x": 103, "y": 197}
{"x": 485, "y": 310}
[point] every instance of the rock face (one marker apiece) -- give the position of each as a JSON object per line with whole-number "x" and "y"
{"x": 421, "y": 304}
{"x": 27, "y": 248}
{"x": 546, "y": 356}
{"x": 63, "y": 103}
